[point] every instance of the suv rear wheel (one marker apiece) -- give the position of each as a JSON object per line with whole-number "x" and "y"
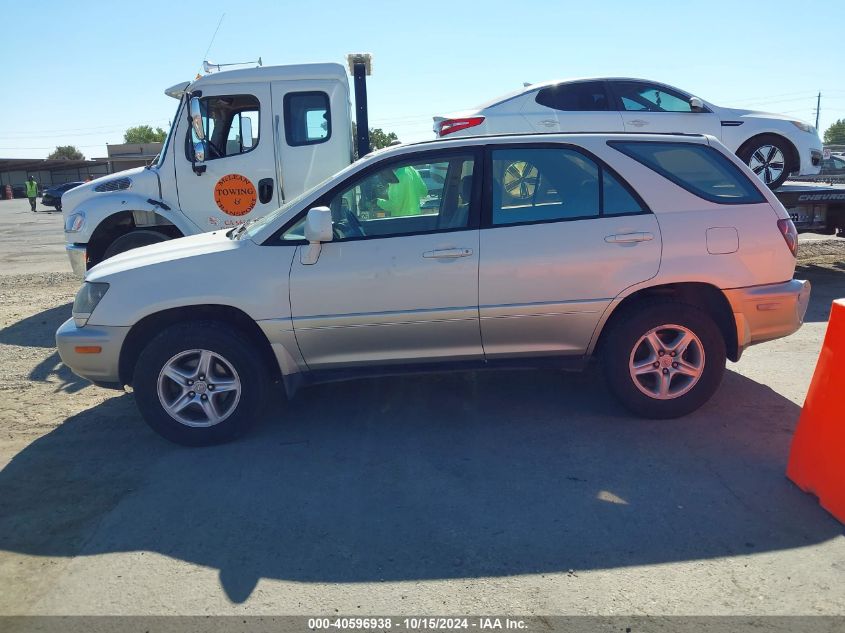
{"x": 200, "y": 383}
{"x": 664, "y": 360}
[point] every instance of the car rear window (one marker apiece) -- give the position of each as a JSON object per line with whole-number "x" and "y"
{"x": 700, "y": 169}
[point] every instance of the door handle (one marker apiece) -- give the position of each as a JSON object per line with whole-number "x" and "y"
{"x": 548, "y": 122}
{"x": 638, "y": 122}
{"x": 265, "y": 190}
{"x": 629, "y": 238}
{"x": 448, "y": 253}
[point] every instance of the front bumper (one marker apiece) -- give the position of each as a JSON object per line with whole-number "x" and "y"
{"x": 78, "y": 256}
{"x": 763, "y": 313}
{"x": 101, "y": 368}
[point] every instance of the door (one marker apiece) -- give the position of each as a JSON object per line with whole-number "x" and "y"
{"x": 582, "y": 106}
{"x": 562, "y": 236}
{"x": 647, "y": 107}
{"x": 238, "y": 176}
{"x": 312, "y": 130}
{"x": 399, "y": 281}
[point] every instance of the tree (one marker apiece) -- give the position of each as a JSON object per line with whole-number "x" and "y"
{"x": 378, "y": 138}
{"x": 144, "y": 134}
{"x": 66, "y": 152}
{"x": 835, "y": 134}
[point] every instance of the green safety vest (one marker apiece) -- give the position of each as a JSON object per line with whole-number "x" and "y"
{"x": 403, "y": 197}
{"x": 31, "y": 189}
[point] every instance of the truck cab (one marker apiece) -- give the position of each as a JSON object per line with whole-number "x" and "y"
{"x": 242, "y": 143}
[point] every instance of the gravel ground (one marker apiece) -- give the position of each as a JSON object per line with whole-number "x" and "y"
{"x": 514, "y": 492}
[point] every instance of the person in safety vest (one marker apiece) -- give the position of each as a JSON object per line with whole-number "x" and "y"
{"x": 31, "y": 191}
{"x": 405, "y": 195}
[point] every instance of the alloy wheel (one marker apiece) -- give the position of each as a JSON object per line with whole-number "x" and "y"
{"x": 667, "y": 361}
{"x": 199, "y": 388}
{"x": 768, "y": 162}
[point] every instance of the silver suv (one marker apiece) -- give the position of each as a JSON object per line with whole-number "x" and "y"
{"x": 662, "y": 255}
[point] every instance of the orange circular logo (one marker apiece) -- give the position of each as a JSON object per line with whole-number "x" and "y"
{"x": 235, "y": 194}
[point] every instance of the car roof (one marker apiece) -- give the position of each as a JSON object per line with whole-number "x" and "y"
{"x": 554, "y": 82}
{"x": 493, "y": 139}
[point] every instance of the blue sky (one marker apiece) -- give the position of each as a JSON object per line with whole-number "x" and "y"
{"x": 82, "y": 72}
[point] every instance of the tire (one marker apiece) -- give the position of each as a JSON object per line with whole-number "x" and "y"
{"x": 630, "y": 344}
{"x": 134, "y": 239}
{"x": 768, "y": 156}
{"x": 178, "y": 412}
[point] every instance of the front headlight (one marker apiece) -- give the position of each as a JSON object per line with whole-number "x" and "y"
{"x": 87, "y": 298}
{"x": 74, "y": 223}
{"x": 804, "y": 127}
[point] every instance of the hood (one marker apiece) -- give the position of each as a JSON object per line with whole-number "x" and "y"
{"x": 738, "y": 113}
{"x": 181, "y": 249}
{"x": 142, "y": 181}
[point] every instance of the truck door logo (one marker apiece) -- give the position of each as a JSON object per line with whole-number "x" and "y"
{"x": 235, "y": 194}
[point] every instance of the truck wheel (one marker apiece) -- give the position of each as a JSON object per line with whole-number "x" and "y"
{"x": 134, "y": 239}
{"x": 200, "y": 383}
{"x": 768, "y": 157}
{"x": 664, "y": 360}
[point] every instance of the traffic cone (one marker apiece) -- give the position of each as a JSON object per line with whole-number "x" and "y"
{"x": 817, "y": 457}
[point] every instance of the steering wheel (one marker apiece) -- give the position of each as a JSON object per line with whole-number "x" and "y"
{"x": 349, "y": 226}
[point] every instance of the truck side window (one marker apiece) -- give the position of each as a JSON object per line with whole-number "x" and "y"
{"x": 226, "y": 132}
{"x": 308, "y": 118}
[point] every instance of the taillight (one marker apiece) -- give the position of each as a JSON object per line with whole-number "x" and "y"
{"x": 790, "y": 235}
{"x": 456, "y": 125}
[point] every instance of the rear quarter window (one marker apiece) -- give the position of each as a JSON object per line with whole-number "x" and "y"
{"x": 700, "y": 169}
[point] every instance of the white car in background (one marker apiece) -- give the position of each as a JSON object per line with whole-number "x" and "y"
{"x": 772, "y": 145}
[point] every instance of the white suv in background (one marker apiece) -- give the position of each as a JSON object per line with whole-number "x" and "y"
{"x": 773, "y": 145}
{"x": 660, "y": 255}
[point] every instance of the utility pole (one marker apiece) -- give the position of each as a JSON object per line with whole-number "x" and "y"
{"x": 818, "y": 108}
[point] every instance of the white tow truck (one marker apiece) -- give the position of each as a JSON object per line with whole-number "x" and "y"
{"x": 242, "y": 143}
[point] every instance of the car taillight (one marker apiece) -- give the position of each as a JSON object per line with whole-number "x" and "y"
{"x": 790, "y": 235}
{"x": 456, "y": 125}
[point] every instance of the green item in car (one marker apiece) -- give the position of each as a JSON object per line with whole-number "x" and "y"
{"x": 404, "y": 196}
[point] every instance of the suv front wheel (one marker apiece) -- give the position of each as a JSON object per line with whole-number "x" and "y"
{"x": 200, "y": 383}
{"x": 664, "y": 360}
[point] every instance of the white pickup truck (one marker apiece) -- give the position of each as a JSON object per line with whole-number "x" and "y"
{"x": 242, "y": 143}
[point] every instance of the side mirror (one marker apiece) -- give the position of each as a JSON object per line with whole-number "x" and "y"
{"x": 199, "y": 152}
{"x": 696, "y": 104}
{"x": 246, "y": 132}
{"x": 196, "y": 118}
{"x": 318, "y": 229}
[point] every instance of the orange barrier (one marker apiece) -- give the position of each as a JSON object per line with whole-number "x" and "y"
{"x": 817, "y": 457}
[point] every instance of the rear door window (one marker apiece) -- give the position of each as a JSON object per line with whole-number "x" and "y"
{"x": 554, "y": 184}
{"x": 307, "y": 118}
{"x": 585, "y": 96}
{"x": 700, "y": 169}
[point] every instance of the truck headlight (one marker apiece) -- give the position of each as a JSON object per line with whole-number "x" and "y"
{"x": 87, "y": 298}
{"x": 804, "y": 127}
{"x": 74, "y": 223}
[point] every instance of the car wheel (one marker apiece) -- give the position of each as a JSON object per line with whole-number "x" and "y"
{"x": 200, "y": 383}
{"x": 663, "y": 360}
{"x": 767, "y": 156}
{"x": 134, "y": 239}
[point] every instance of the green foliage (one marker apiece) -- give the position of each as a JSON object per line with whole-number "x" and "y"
{"x": 835, "y": 134}
{"x": 378, "y": 138}
{"x": 144, "y": 134}
{"x": 68, "y": 152}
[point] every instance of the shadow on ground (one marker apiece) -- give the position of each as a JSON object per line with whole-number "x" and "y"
{"x": 38, "y": 330}
{"x": 424, "y": 477}
{"x": 828, "y": 285}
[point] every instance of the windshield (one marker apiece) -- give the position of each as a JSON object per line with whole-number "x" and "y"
{"x": 159, "y": 160}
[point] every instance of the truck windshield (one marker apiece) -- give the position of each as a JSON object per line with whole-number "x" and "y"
{"x": 160, "y": 158}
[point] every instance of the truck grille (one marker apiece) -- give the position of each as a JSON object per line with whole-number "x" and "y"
{"x": 118, "y": 184}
